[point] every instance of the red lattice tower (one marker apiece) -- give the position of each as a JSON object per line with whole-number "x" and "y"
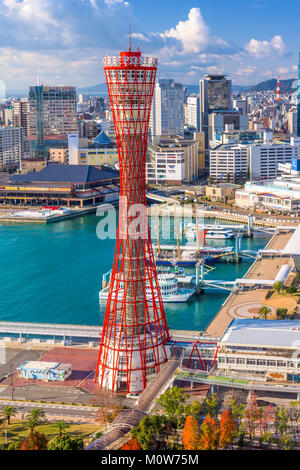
{"x": 135, "y": 332}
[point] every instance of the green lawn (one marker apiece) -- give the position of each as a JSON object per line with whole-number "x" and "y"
{"x": 18, "y": 430}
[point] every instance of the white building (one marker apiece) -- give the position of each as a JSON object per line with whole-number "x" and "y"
{"x": 228, "y": 162}
{"x": 280, "y": 194}
{"x": 167, "y": 114}
{"x": 11, "y": 146}
{"x": 267, "y": 349}
{"x": 172, "y": 160}
{"x": 193, "y": 112}
{"x": 259, "y": 160}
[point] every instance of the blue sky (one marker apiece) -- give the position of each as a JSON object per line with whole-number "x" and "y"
{"x": 64, "y": 40}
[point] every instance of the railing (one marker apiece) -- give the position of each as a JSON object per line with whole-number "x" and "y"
{"x": 115, "y": 61}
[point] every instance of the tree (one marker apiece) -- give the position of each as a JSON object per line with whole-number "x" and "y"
{"x": 278, "y": 286}
{"x": 35, "y": 441}
{"x": 252, "y": 414}
{"x": 281, "y": 421}
{"x": 227, "y": 428}
{"x": 31, "y": 423}
{"x": 294, "y": 415}
{"x": 132, "y": 444}
{"x": 190, "y": 435}
{"x": 172, "y": 402}
{"x": 61, "y": 427}
{"x": 66, "y": 443}
{"x": 37, "y": 413}
{"x": 281, "y": 313}
{"x": 209, "y": 434}
{"x": 264, "y": 312}
{"x": 211, "y": 405}
{"x": 286, "y": 442}
{"x": 8, "y": 412}
{"x": 237, "y": 409}
{"x": 153, "y": 431}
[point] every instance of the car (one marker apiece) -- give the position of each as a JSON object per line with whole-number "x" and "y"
{"x": 134, "y": 396}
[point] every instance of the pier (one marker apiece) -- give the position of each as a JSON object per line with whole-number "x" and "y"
{"x": 246, "y": 302}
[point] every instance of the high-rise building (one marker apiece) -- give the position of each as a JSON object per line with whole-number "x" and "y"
{"x": 215, "y": 95}
{"x": 55, "y": 106}
{"x": 167, "y": 115}
{"x": 21, "y": 114}
{"x": 135, "y": 332}
{"x": 11, "y": 147}
{"x": 298, "y": 100}
{"x": 193, "y": 112}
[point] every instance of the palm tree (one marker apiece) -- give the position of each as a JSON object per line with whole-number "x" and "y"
{"x": 278, "y": 286}
{"x": 37, "y": 414}
{"x": 61, "y": 426}
{"x": 8, "y": 412}
{"x": 264, "y": 312}
{"x": 31, "y": 423}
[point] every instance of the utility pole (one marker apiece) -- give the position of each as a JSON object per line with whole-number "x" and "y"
{"x": 11, "y": 381}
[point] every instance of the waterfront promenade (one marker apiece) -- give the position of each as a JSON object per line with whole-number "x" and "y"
{"x": 246, "y": 304}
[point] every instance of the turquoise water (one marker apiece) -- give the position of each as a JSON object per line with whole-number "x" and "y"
{"x": 53, "y": 273}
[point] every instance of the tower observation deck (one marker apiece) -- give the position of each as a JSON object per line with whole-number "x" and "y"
{"x": 135, "y": 332}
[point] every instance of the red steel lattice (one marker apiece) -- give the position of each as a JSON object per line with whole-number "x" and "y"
{"x": 135, "y": 332}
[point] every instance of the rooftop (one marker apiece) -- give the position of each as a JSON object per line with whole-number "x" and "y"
{"x": 58, "y": 173}
{"x": 263, "y": 333}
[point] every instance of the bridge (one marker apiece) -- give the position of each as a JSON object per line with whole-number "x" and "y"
{"x": 199, "y": 376}
{"x": 128, "y": 419}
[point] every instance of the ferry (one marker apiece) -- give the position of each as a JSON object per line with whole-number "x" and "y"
{"x": 169, "y": 289}
{"x": 217, "y": 233}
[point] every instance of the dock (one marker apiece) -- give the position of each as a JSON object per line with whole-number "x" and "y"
{"x": 245, "y": 303}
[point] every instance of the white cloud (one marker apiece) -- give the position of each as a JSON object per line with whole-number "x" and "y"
{"x": 193, "y": 33}
{"x": 112, "y": 3}
{"x": 266, "y": 48}
{"x": 94, "y": 4}
{"x": 31, "y": 10}
{"x": 248, "y": 70}
{"x": 283, "y": 70}
{"x": 140, "y": 36}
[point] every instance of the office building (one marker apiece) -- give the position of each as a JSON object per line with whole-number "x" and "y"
{"x": 298, "y": 100}
{"x": 52, "y": 110}
{"x": 256, "y": 161}
{"x": 11, "y": 147}
{"x": 240, "y": 105}
{"x": 172, "y": 160}
{"x": 192, "y": 113}
{"x": 21, "y": 114}
{"x": 88, "y": 129}
{"x": 220, "y": 121}
{"x": 215, "y": 95}
{"x": 167, "y": 114}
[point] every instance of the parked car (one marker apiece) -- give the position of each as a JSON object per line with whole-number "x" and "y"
{"x": 134, "y": 396}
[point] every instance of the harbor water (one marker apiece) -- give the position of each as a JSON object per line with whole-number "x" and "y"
{"x": 53, "y": 273}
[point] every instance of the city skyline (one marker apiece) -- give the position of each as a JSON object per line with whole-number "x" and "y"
{"x": 62, "y": 43}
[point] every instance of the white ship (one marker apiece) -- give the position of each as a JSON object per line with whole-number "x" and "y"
{"x": 169, "y": 289}
{"x": 212, "y": 232}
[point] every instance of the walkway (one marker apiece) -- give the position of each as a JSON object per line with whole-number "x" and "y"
{"x": 241, "y": 301}
{"x": 128, "y": 419}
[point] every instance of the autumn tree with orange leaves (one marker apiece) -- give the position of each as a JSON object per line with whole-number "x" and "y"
{"x": 190, "y": 435}
{"x": 132, "y": 444}
{"x": 34, "y": 441}
{"x": 209, "y": 434}
{"x": 227, "y": 428}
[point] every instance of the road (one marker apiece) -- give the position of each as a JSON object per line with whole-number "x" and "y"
{"x": 51, "y": 409}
